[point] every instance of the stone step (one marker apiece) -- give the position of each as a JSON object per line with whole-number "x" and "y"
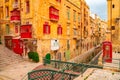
{"x": 8, "y": 57}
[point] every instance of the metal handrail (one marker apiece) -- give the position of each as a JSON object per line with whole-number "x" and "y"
{"x": 71, "y": 64}
{"x": 51, "y": 74}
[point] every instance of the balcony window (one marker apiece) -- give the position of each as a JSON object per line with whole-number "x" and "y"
{"x": 15, "y": 15}
{"x": 26, "y": 31}
{"x": 27, "y": 6}
{"x": 53, "y": 13}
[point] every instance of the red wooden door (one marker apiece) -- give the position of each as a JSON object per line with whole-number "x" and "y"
{"x": 17, "y": 46}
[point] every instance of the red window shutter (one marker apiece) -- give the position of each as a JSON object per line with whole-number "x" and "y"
{"x": 59, "y": 30}
{"x": 49, "y": 29}
{"x": 57, "y": 16}
{"x": 44, "y": 29}
{"x": 58, "y": 0}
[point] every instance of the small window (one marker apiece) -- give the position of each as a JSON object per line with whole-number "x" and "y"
{"x": 7, "y": 29}
{"x": 79, "y": 16}
{"x": 59, "y": 30}
{"x": 74, "y": 15}
{"x": 68, "y": 44}
{"x": 6, "y": 0}
{"x": 75, "y": 32}
{"x": 68, "y": 29}
{"x": 58, "y": 0}
{"x": 27, "y": 6}
{"x": 46, "y": 29}
{"x": 113, "y": 6}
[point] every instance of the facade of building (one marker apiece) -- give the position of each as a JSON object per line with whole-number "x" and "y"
{"x": 98, "y": 30}
{"x": 59, "y": 28}
{"x": 114, "y": 20}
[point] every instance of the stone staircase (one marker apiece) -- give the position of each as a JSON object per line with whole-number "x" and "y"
{"x": 8, "y": 57}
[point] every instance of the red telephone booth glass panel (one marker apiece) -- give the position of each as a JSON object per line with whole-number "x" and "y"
{"x": 107, "y": 51}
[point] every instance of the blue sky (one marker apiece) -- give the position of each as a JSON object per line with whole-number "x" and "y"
{"x": 98, "y": 7}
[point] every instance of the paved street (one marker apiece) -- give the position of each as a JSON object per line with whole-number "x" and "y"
{"x": 104, "y": 75}
{"x": 13, "y": 66}
{"x": 115, "y": 65}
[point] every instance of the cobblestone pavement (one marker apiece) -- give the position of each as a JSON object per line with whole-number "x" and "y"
{"x": 104, "y": 75}
{"x": 13, "y": 66}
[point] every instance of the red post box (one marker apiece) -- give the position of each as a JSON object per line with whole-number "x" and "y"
{"x": 107, "y": 51}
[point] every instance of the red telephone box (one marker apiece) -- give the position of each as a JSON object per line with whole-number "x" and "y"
{"x": 107, "y": 51}
{"x": 17, "y": 46}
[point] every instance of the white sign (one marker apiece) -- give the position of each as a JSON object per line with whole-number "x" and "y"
{"x": 54, "y": 44}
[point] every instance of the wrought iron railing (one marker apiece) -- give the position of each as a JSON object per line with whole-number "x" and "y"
{"x": 74, "y": 67}
{"x": 46, "y": 74}
{"x": 59, "y": 70}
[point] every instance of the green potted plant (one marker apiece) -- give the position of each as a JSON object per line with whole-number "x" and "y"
{"x": 34, "y": 56}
